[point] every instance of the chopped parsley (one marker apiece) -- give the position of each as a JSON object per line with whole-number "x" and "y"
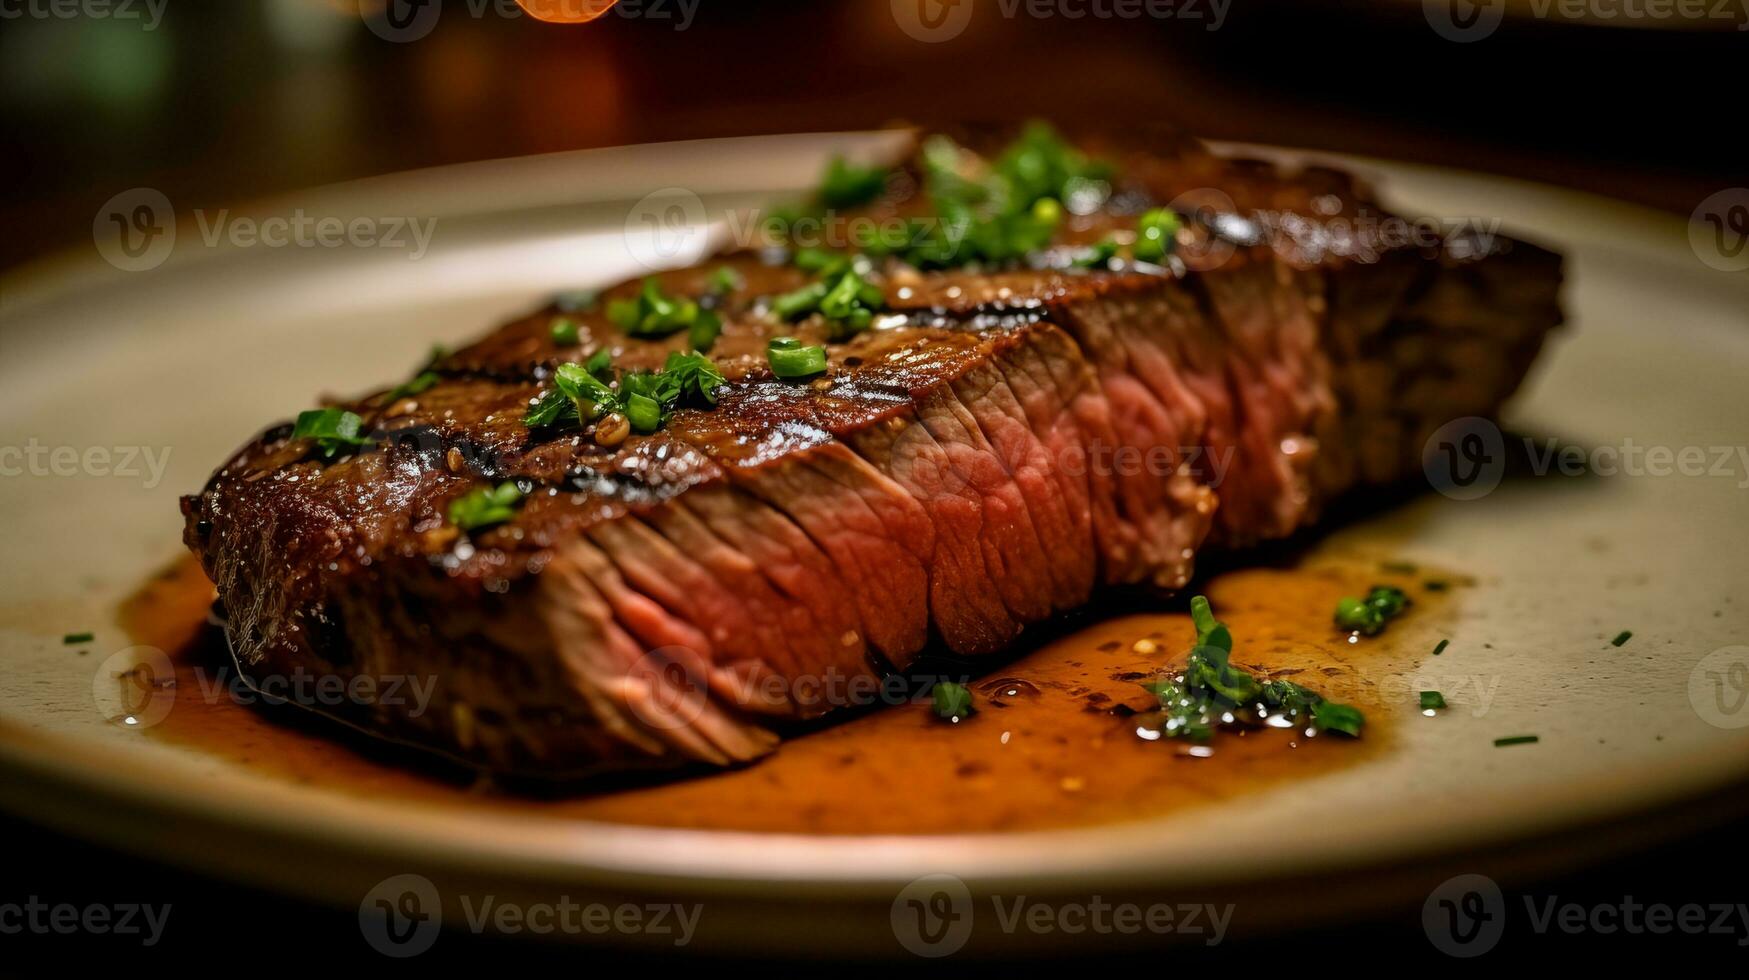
{"x": 583, "y": 393}
{"x": 564, "y": 331}
{"x": 74, "y": 639}
{"x": 1156, "y": 233}
{"x": 1515, "y": 740}
{"x": 653, "y": 313}
{"x": 790, "y": 359}
{"x": 953, "y": 702}
{"x": 705, "y": 330}
{"x": 1368, "y": 616}
{"x": 726, "y": 280}
{"x": 485, "y": 506}
{"x": 1622, "y": 637}
{"x": 418, "y": 384}
{"x": 1437, "y": 650}
{"x": 847, "y": 185}
{"x": 1211, "y": 692}
{"x": 333, "y": 429}
{"x": 1432, "y": 700}
{"x": 842, "y": 296}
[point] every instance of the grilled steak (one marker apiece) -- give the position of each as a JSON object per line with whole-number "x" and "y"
{"x": 1000, "y": 442}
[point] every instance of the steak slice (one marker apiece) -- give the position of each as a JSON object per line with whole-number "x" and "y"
{"x": 999, "y": 445}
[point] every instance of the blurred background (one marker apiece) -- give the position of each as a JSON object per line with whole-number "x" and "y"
{"x": 215, "y": 102}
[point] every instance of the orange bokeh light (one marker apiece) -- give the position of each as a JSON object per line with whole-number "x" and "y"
{"x": 566, "y": 11}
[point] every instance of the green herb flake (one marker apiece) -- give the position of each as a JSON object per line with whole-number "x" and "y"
{"x": 726, "y": 280}
{"x": 1432, "y": 701}
{"x": 1440, "y": 648}
{"x": 848, "y": 185}
{"x": 600, "y": 365}
{"x": 1515, "y": 740}
{"x": 1622, "y": 637}
{"x": 1368, "y": 616}
{"x": 565, "y": 332}
{"x": 653, "y": 313}
{"x": 74, "y": 639}
{"x": 953, "y": 702}
{"x": 790, "y": 359}
{"x": 705, "y": 330}
{"x": 333, "y": 430}
{"x": 1156, "y": 234}
{"x": 416, "y": 385}
{"x": 485, "y": 506}
{"x": 1212, "y": 692}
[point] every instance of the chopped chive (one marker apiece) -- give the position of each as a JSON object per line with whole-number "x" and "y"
{"x": 1436, "y": 585}
{"x": 1515, "y": 740}
{"x": 790, "y": 359}
{"x": 1156, "y": 233}
{"x": 600, "y": 366}
{"x": 952, "y": 701}
{"x": 485, "y": 506}
{"x": 1368, "y": 616}
{"x": 704, "y": 330}
{"x": 564, "y": 330}
{"x": 1441, "y": 647}
{"x": 1432, "y": 700}
{"x": 726, "y": 280}
{"x": 1622, "y": 637}
{"x": 72, "y": 639}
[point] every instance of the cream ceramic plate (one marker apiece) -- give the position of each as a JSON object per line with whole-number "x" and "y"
{"x": 191, "y": 357}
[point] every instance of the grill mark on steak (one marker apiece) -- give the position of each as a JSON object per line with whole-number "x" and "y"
{"x": 661, "y": 601}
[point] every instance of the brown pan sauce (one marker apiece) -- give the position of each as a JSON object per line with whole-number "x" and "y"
{"x": 1052, "y": 744}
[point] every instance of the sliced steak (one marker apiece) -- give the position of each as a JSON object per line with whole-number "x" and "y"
{"x": 996, "y": 448}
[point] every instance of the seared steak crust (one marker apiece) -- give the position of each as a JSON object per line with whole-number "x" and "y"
{"x": 998, "y": 446}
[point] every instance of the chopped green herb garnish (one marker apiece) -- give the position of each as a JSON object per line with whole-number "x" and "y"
{"x": 654, "y": 313}
{"x": 564, "y": 330}
{"x": 73, "y": 639}
{"x": 1622, "y": 637}
{"x": 1368, "y": 616}
{"x": 418, "y": 384}
{"x": 726, "y": 280}
{"x": 952, "y": 701}
{"x": 333, "y": 429}
{"x": 1436, "y": 585}
{"x": 1432, "y": 700}
{"x": 1211, "y": 692}
{"x": 1515, "y": 740}
{"x": 1441, "y": 647}
{"x": 600, "y": 364}
{"x": 790, "y": 359}
{"x": 847, "y": 185}
{"x": 1098, "y": 254}
{"x": 644, "y": 412}
{"x": 485, "y": 506}
{"x": 1156, "y": 234}
{"x": 846, "y": 300}
{"x": 705, "y": 330}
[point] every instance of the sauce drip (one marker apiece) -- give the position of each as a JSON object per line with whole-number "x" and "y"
{"x": 1053, "y": 742}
